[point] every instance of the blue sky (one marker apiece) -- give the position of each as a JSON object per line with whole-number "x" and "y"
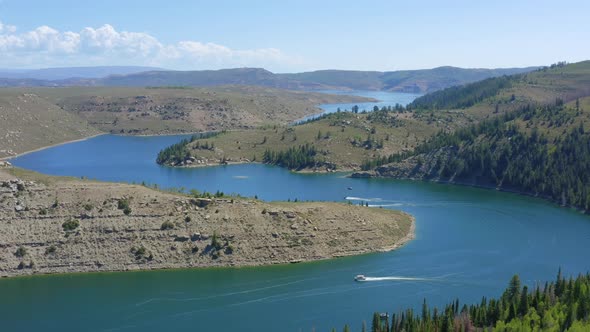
{"x": 290, "y": 36}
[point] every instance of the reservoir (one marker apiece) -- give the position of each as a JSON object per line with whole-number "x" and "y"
{"x": 469, "y": 242}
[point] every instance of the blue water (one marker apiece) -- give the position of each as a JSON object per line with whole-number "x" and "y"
{"x": 469, "y": 242}
{"x": 384, "y": 99}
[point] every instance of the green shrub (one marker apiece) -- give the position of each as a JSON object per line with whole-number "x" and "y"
{"x": 142, "y": 252}
{"x": 229, "y": 249}
{"x": 50, "y": 250}
{"x": 70, "y": 225}
{"x": 21, "y": 252}
{"x": 88, "y": 207}
{"x": 215, "y": 243}
{"x": 127, "y": 211}
{"x": 123, "y": 203}
{"x": 167, "y": 225}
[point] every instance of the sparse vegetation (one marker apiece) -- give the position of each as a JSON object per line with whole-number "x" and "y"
{"x": 50, "y": 250}
{"x": 20, "y": 252}
{"x": 166, "y": 225}
{"x": 70, "y": 225}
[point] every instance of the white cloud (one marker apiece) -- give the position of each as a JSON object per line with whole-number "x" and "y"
{"x": 7, "y": 28}
{"x": 45, "y": 46}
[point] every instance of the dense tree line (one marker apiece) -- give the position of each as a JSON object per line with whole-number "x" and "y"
{"x": 562, "y": 305}
{"x": 180, "y": 151}
{"x": 500, "y": 153}
{"x": 462, "y": 96}
{"x": 176, "y": 153}
{"x": 302, "y": 156}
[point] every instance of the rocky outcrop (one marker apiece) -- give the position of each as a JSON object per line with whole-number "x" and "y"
{"x": 59, "y": 225}
{"x": 419, "y": 167}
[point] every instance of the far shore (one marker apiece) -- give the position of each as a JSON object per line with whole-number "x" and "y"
{"x": 482, "y": 186}
{"x": 50, "y": 146}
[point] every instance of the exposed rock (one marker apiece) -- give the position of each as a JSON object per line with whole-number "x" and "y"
{"x": 362, "y": 175}
{"x": 203, "y": 202}
{"x": 119, "y": 242}
{"x": 181, "y": 238}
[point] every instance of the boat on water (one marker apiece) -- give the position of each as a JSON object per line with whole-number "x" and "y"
{"x": 349, "y": 188}
{"x": 360, "y": 277}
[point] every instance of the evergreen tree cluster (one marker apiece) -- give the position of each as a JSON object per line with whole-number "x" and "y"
{"x": 175, "y": 153}
{"x": 300, "y": 157}
{"x": 562, "y": 305}
{"x": 378, "y": 161}
{"x": 463, "y": 96}
{"x": 500, "y": 153}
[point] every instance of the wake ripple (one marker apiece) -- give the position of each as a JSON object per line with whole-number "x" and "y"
{"x": 396, "y": 278}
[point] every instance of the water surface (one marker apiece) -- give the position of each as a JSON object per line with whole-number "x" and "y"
{"x": 469, "y": 242}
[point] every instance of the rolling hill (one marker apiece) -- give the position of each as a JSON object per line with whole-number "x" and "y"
{"x": 415, "y": 81}
{"x": 531, "y": 137}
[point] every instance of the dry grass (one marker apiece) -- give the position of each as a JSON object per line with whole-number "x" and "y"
{"x": 339, "y": 138}
{"x": 101, "y": 237}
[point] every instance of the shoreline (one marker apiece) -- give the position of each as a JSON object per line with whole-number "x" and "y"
{"x": 50, "y": 146}
{"x": 481, "y": 186}
{"x": 251, "y": 232}
{"x": 231, "y": 163}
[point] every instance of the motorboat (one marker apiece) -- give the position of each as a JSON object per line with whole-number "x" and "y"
{"x": 360, "y": 277}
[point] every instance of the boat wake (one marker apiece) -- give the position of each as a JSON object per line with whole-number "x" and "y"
{"x": 352, "y": 198}
{"x": 395, "y": 278}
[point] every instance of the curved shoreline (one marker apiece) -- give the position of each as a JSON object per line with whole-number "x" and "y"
{"x": 174, "y": 230}
{"x": 135, "y": 268}
{"x": 50, "y": 146}
{"x": 476, "y": 185}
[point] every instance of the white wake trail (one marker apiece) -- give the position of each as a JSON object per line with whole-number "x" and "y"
{"x": 396, "y": 278}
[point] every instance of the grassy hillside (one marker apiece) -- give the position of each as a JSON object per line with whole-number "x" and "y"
{"x": 537, "y": 142}
{"x": 178, "y": 110}
{"x": 28, "y": 121}
{"x": 32, "y": 118}
{"x": 493, "y": 95}
{"x": 342, "y": 140}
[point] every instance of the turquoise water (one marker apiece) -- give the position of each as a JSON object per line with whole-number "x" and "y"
{"x": 469, "y": 242}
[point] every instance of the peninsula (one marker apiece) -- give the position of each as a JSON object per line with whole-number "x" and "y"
{"x": 61, "y": 225}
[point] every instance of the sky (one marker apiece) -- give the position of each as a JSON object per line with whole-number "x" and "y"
{"x": 293, "y": 36}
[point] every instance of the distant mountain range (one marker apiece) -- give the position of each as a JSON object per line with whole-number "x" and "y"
{"x": 416, "y": 81}
{"x": 54, "y": 74}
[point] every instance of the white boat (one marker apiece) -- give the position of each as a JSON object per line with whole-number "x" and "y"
{"x": 360, "y": 277}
